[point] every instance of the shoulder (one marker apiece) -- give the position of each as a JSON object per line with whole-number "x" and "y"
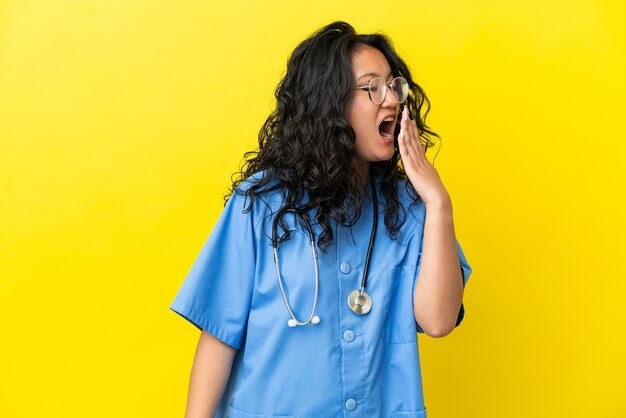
{"x": 261, "y": 182}
{"x": 257, "y": 194}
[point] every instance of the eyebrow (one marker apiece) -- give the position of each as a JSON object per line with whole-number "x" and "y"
{"x": 373, "y": 75}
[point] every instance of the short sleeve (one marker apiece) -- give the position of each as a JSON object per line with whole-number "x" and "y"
{"x": 466, "y": 270}
{"x": 216, "y": 293}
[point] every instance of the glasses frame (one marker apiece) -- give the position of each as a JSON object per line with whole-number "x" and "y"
{"x": 369, "y": 89}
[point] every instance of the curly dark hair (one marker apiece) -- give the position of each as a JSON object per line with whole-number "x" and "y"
{"x": 307, "y": 146}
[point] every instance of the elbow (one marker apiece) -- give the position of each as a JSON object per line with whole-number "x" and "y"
{"x": 439, "y": 330}
{"x": 438, "y": 322}
{"x": 440, "y": 333}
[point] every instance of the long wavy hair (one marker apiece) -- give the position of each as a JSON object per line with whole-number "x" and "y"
{"x": 307, "y": 146}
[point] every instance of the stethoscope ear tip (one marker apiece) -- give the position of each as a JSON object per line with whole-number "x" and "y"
{"x": 293, "y": 323}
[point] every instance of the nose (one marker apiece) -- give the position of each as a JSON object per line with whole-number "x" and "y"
{"x": 391, "y": 99}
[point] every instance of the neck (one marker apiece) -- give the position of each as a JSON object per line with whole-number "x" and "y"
{"x": 362, "y": 171}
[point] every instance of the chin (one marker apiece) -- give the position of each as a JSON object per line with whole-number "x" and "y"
{"x": 381, "y": 154}
{"x": 385, "y": 156}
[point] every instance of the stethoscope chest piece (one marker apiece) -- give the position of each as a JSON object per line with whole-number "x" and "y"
{"x": 360, "y": 302}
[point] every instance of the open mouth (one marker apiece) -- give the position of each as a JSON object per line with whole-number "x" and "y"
{"x": 386, "y": 128}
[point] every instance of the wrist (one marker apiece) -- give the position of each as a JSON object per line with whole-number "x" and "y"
{"x": 439, "y": 215}
{"x": 441, "y": 202}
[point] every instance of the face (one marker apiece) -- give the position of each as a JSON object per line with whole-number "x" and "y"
{"x": 373, "y": 124}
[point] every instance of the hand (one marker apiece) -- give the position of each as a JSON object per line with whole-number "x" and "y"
{"x": 421, "y": 173}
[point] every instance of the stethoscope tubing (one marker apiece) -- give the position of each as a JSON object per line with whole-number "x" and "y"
{"x": 372, "y": 237}
{"x": 358, "y": 300}
{"x": 312, "y": 318}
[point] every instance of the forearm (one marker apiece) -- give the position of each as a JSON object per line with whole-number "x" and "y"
{"x": 209, "y": 375}
{"x": 439, "y": 287}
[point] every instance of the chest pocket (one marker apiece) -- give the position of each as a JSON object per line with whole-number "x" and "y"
{"x": 399, "y": 324}
{"x": 233, "y": 413}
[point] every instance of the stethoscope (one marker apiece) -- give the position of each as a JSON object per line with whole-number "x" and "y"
{"x": 358, "y": 300}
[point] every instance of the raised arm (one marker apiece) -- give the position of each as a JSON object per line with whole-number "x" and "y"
{"x": 438, "y": 292}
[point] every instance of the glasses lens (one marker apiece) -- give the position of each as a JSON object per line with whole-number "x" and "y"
{"x": 378, "y": 90}
{"x": 400, "y": 87}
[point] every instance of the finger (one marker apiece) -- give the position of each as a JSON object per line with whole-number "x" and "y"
{"x": 410, "y": 126}
{"x": 411, "y": 136}
{"x": 415, "y": 135}
{"x": 419, "y": 145}
{"x": 404, "y": 152}
{"x": 408, "y": 136}
{"x": 408, "y": 133}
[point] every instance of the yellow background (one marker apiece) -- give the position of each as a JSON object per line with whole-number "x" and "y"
{"x": 122, "y": 121}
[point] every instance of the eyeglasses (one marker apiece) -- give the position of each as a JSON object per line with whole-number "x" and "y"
{"x": 377, "y": 91}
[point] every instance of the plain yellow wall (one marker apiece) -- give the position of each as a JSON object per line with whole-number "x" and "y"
{"x": 122, "y": 121}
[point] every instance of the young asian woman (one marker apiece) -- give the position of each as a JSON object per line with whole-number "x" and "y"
{"x": 335, "y": 248}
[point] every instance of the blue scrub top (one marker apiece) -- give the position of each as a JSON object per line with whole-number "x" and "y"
{"x": 345, "y": 366}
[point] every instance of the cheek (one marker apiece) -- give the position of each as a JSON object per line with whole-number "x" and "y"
{"x": 361, "y": 121}
{"x": 358, "y": 127}
{"x": 353, "y": 116}
{"x": 363, "y": 137}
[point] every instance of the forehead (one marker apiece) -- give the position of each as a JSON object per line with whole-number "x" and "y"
{"x": 369, "y": 61}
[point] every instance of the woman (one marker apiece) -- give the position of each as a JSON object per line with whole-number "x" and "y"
{"x": 294, "y": 328}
